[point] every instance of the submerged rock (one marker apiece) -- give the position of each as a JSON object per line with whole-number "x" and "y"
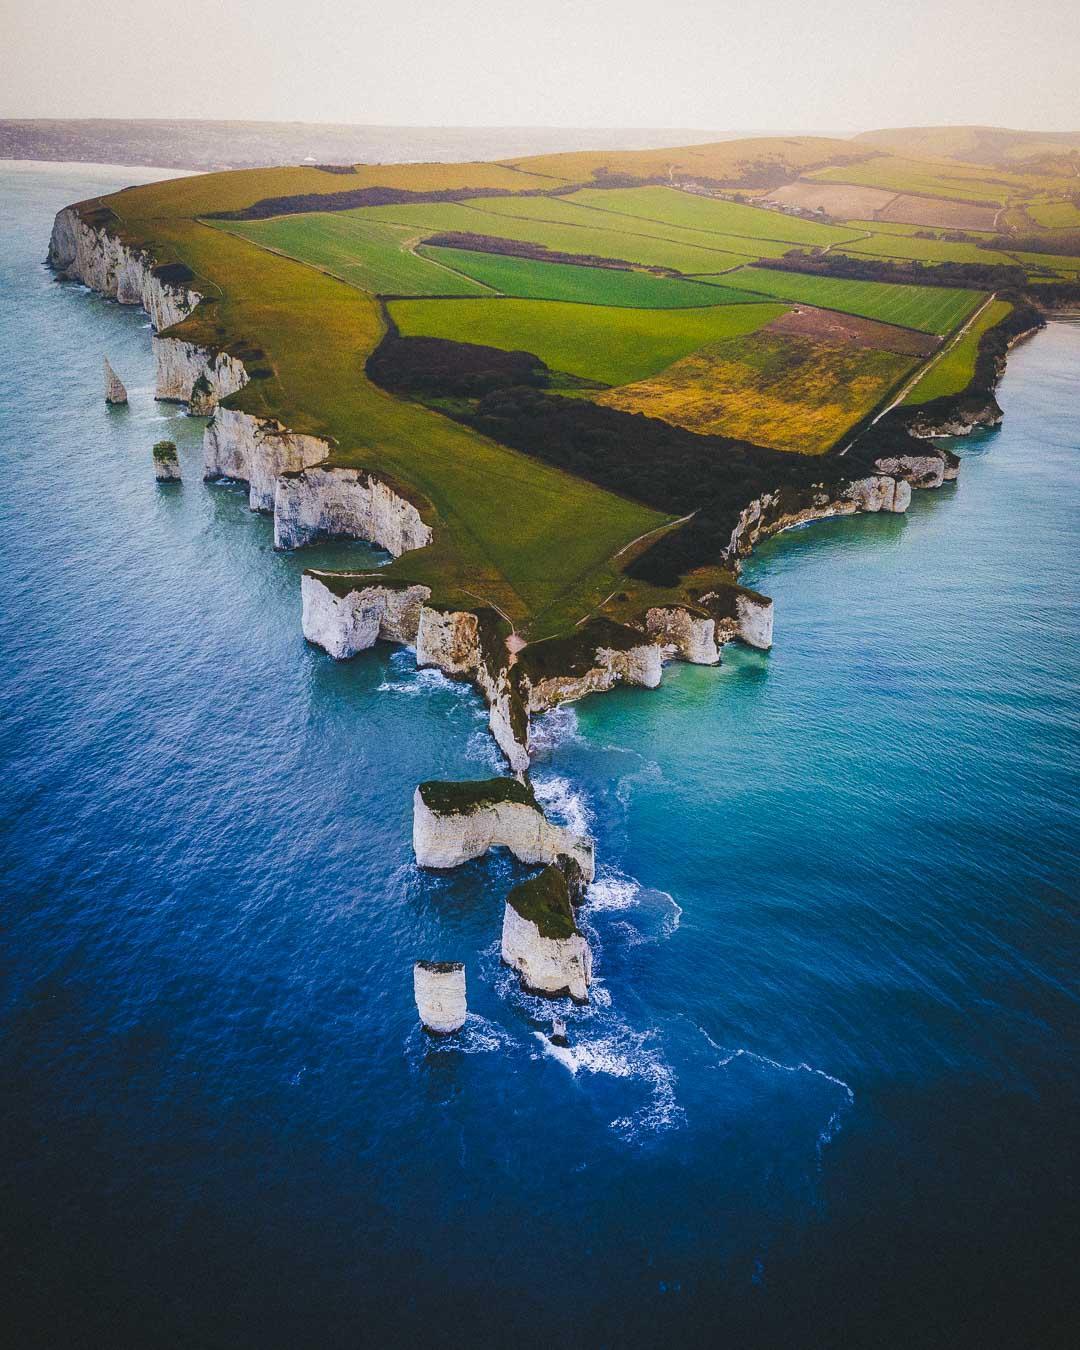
{"x": 455, "y": 822}
{"x": 166, "y": 462}
{"x": 439, "y": 990}
{"x": 542, "y": 942}
{"x": 114, "y": 386}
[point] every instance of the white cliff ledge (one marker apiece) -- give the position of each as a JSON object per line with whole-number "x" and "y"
{"x": 318, "y": 503}
{"x": 456, "y": 822}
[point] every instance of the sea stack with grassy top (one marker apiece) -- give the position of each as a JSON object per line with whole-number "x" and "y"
{"x": 541, "y": 939}
{"x": 115, "y": 393}
{"x": 455, "y": 822}
{"x": 439, "y": 990}
{"x": 166, "y": 462}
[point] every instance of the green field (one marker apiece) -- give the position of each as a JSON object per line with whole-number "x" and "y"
{"x": 690, "y": 211}
{"x": 930, "y": 309}
{"x": 956, "y": 181}
{"x": 531, "y": 280}
{"x": 1056, "y": 215}
{"x": 951, "y": 373}
{"x": 643, "y": 249}
{"x": 574, "y": 211}
{"x": 925, "y": 250}
{"x": 1054, "y": 262}
{"x": 361, "y": 252}
{"x": 612, "y": 346}
{"x": 895, "y": 227}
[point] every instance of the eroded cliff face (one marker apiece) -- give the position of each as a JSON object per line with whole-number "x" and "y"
{"x": 344, "y": 503}
{"x": 547, "y": 965}
{"x": 90, "y": 254}
{"x": 964, "y": 418}
{"x": 641, "y": 664}
{"x": 256, "y": 451}
{"x": 186, "y": 373}
{"x": 775, "y": 511}
{"x": 346, "y": 624}
{"x": 445, "y": 839}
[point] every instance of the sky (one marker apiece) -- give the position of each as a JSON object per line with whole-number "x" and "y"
{"x": 830, "y": 65}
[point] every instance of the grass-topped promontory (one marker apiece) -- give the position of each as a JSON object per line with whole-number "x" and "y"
{"x": 545, "y": 901}
{"x": 459, "y": 799}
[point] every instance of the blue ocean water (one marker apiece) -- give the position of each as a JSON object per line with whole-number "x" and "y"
{"x": 825, "y": 1093}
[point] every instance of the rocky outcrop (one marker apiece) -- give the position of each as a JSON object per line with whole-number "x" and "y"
{"x": 455, "y": 822}
{"x": 964, "y": 417}
{"x": 691, "y": 636}
{"x": 256, "y": 450}
{"x": 541, "y": 939}
{"x": 346, "y": 619}
{"x": 115, "y": 392}
{"x": 601, "y": 656}
{"x": 166, "y": 462}
{"x": 85, "y": 250}
{"x": 439, "y": 990}
{"x": 783, "y": 509}
{"x": 350, "y": 503}
{"x": 187, "y": 373}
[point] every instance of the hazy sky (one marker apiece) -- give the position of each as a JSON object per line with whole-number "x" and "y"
{"x": 842, "y": 65}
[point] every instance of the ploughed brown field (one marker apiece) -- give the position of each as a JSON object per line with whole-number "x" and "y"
{"x": 911, "y": 210}
{"x": 826, "y": 325}
{"x": 845, "y": 201}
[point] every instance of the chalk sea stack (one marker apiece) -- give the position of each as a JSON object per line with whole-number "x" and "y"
{"x": 455, "y": 822}
{"x": 541, "y": 939}
{"x": 115, "y": 392}
{"x": 439, "y": 989}
{"x": 166, "y": 462}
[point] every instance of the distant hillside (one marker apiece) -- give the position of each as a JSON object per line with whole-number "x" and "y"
{"x": 1000, "y": 147}
{"x": 192, "y": 144}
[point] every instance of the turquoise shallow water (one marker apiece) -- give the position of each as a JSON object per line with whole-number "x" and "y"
{"x": 825, "y": 1092}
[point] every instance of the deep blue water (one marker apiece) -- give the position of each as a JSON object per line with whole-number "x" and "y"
{"x": 826, "y": 1091}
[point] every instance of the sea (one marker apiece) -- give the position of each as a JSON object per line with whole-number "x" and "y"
{"x": 825, "y": 1093}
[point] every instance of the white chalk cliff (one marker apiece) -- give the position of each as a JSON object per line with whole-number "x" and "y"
{"x": 256, "y": 450}
{"x": 186, "y": 373}
{"x": 449, "y": 836}
{"x": 439, "y": 990}
{"x": 547, "y": 965}
{"x": 345, "y": 503}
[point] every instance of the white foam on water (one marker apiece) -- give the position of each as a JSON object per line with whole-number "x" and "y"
{"x": 423, "y": 682}
{"x": 847, "y": 1100}
{"x": 649, "y": 915}
{"x": 563, "y": 803}
{"x": 481, "y": 749}
{"x": 477, "y": 1037}
{"x": 552, "y": 729}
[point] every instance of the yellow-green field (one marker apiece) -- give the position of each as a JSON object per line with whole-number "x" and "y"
{"x": 787, "y": 392}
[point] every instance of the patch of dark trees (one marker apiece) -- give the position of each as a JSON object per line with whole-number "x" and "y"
{"x": 426, "y": 367}
{"x": 972, "y": 276}
{"x": 658, "y": 464}
{"x": 333, "y": 168}
{"x": 1059, "y": 243}
{"x": 173, "y": 274}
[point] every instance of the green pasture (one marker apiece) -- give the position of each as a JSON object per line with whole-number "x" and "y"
{"x": 925, "y": 250}
{"x": 531, "y": 280}
{"x": 364, "y": 253}
{"x": 1055, "y": 215}
{"x": 643, "y": 249}
{"x": 930, "y": 309}
{"x": 690, "y": 211}
{"x": 612, "y": 346}
{"x": 952, "y": 371}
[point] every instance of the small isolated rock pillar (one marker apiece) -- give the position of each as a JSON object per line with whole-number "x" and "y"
{"x": 114, "y": 386}
{"x": 166, "y": 462}
{"x": 439, "y": 989}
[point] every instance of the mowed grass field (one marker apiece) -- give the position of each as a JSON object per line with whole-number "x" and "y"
{"x": 1056, "y": 215}
{"x": 531, "y": 280}
{"x": 930, "y": 309}
{"x": 951, "y": 373}
{"x": 611, "y": 346}
{"x": 364, "y": 253}
{"x": 791, "y": 393}
{"x": 926, "y": 177}
{"x": 691, "y": 211}
{"x": 925, "y": 250}
{"x": 644, "y": 249}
